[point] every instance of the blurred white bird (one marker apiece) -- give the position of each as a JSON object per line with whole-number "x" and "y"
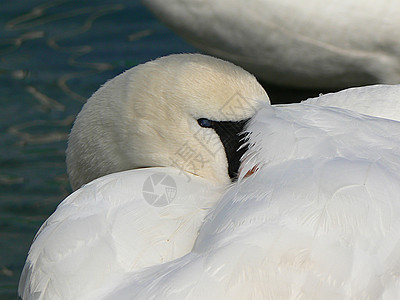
{"x": 310, "y": 44}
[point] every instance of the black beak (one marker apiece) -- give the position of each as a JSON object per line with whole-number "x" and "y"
{"x": 232, "y": 137}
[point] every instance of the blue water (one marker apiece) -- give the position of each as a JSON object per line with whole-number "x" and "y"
{"x": 53, "y": 55}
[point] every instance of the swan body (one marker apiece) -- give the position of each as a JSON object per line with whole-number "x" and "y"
{"x": 309, "y": 44}
{"x": 320, "y": 219}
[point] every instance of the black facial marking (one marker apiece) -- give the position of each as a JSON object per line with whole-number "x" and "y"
{"x": 232, "y": 138}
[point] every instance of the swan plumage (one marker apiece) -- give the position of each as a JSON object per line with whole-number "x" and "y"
{"x": 108, "y": 228}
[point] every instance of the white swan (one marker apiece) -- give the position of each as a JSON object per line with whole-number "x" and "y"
{"x": 310, "y": 44}
{"x": 320, "y": 219}
{"x": 175, "y": 121}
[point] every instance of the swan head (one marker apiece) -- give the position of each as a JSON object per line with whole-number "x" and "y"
{"x": 183, "y": 110}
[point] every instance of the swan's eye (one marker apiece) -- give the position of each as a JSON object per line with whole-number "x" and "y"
{"x": 205, "y": 122}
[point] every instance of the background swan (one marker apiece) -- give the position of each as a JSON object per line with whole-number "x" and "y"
{"x": 309, "y": 44}
{"x": 179, "y": 118}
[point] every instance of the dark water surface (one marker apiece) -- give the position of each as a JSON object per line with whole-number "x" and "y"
{"x": 53, "y": 56}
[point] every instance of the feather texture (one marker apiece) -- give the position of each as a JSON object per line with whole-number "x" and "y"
{"x": 108, "y": 228}
{"x": 376, "y": 100}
